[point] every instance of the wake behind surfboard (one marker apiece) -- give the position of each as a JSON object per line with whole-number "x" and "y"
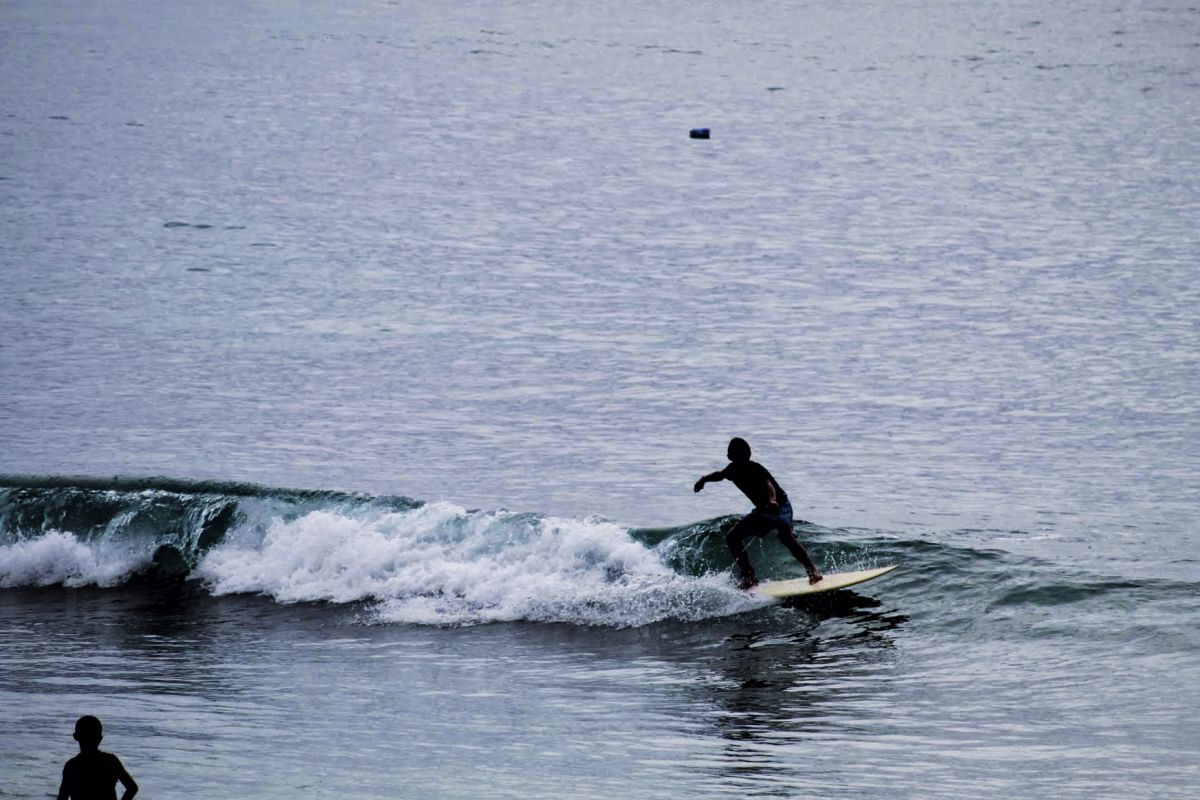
{"x": 800, "y": 586}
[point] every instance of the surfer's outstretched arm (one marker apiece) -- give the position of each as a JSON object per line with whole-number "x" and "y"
{"x": 711, "y": 477}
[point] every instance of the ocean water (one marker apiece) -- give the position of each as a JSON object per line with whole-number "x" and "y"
{"x": 357, "y": 361}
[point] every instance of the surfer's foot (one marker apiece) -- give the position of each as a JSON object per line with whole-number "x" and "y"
{"x": 814, "y": 576}
{"x": 746, "y": 584}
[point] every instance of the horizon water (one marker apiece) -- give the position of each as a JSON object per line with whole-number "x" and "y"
{"x": 357, "y": 362}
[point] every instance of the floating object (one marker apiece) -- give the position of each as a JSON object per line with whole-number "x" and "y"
{"x": 797, "y": 586}
{"x": 699, "y": 133}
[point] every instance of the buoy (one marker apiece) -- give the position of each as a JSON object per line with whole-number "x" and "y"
{"x": 699, "y": 133}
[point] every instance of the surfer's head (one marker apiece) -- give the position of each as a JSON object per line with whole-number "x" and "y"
{"x": 739, "y": 449}
{"x": 88, "y": 732}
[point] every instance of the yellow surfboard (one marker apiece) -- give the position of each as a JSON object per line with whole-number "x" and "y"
{"x": 798, "y": 586}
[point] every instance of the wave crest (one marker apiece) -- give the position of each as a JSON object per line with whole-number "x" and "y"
{"x": 441, "y": 564}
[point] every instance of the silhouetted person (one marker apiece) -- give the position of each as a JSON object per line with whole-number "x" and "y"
{"x": 93, "y": 775}
{"x": 772, "y": 511}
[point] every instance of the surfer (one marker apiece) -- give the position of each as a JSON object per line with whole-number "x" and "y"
{"x": 93, "y": 773}
{"x": 772, "y": 511}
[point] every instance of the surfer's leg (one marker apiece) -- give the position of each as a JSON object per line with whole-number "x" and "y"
{"x": 789, "y": 539}
{"x": 738, "y": 539}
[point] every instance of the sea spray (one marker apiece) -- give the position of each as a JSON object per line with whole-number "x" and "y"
{"x": 441, "y": 564}
{"x": 61, "y": 558}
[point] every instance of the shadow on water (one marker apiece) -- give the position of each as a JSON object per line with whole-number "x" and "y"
{"x": 850, "y": 605}
{"x": 791, "y": 679}
{"x": 152, "y": 637}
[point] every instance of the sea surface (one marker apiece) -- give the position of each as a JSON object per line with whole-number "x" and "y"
{"x": 357, "y": 360}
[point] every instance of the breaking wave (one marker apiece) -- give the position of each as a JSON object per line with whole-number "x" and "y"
{"x": 428, "y": 563}
{"x": 405, "y": 561}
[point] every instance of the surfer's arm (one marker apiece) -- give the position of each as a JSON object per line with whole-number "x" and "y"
{"x": 711, "y": 477}
{"x": 771, "y": 502}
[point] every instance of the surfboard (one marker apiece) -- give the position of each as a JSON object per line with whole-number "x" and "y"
{"x": 799, "y": 586}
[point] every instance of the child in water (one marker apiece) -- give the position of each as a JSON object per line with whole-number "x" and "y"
{"x": 93, "y": 774}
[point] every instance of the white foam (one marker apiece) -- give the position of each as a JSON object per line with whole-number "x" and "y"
{"x": 60, "y": 558}
{"x": 439, "y": 564}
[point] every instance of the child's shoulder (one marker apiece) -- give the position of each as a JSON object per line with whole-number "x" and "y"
{"x": 91, "y": 760}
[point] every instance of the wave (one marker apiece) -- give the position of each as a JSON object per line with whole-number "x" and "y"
{"x": 436, "y": 563}
{"x": 441, "y": 564}
{"x": 416, "y": 562}
{"x": 160, "y": 525}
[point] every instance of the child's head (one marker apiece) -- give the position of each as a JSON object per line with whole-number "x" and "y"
{"x": 739, "y": 449}
{"x": 88, "y": 732}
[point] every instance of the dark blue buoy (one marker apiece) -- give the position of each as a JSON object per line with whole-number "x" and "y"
{"x": 699, "y": 133}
